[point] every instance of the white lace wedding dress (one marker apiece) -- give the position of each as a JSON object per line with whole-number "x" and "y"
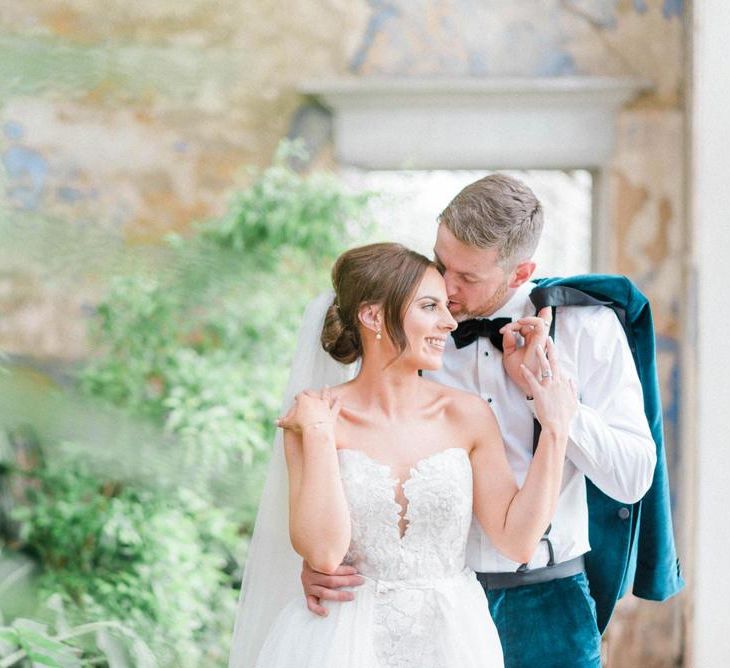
{"x": 420, "y": 607}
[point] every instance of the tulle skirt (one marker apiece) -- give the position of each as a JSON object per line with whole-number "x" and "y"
{"x": 425, "y": 623}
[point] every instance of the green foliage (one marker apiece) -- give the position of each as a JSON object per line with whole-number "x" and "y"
{"x": 60, "y": 645}
{"x": 199, "y": 345}
{"x": 211, "y": 375}
{"x": 154, "y": 560}
{"x": 213, "y": 412}
{"x": 281, "y": 212}
{"x": 139, "y": 326}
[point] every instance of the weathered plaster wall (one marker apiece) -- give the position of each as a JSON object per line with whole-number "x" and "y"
{"x": 137, "y": 118}
{"x": 149, "y": 110}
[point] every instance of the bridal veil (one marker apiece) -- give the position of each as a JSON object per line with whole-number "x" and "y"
{"x": 271, "y": 576}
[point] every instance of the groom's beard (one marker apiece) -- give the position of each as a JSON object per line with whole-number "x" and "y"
{"x": 485, "y": 310}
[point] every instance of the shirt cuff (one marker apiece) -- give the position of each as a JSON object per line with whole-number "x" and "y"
{"x": 585, "y": 428}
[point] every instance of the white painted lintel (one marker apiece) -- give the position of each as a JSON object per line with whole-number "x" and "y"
{"x": 474, "y": 123}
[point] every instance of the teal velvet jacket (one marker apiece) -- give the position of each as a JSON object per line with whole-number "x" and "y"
{"x": 630, "y": 544}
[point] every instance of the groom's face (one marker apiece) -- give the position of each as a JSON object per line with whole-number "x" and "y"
{"x": 476, "y": 284}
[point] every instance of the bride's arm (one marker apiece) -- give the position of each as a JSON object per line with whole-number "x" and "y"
{"x": 319, "y": 519}
{"x": 515, "y": 519}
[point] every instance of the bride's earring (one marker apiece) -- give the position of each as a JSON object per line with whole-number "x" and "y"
{"x": 378, "y": 335}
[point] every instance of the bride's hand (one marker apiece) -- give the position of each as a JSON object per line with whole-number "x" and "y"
{"x": 555, "y": 395}
{"x": 311, "y": 408}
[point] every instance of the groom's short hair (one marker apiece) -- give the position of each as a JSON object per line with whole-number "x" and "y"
{"x": 497, "y": 211}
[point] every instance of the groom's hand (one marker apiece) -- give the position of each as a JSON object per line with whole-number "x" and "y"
{"x": 320, "y": 587}
{"x": 534, "y": 332}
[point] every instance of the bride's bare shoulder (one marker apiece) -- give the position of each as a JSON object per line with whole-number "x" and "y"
{"x": 342, "y": 390}
{"x": 335, "y": 390}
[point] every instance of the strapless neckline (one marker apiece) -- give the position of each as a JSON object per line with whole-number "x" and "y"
{"x": 413, "y": 468}
{"x": 402, "y": 510}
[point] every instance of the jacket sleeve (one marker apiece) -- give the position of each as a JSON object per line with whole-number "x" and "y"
{"x": 609, "y": 438}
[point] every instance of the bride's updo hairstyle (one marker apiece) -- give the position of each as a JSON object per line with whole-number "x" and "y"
{"x": 384, "y": 273}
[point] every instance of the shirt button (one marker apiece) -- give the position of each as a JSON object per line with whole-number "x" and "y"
{"x": 486, "y": 353}
{"x": 624, "y": 513}
{"x": 489, "y": 400}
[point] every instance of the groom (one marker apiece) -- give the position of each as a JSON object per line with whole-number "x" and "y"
{"x": 486, "y": 238}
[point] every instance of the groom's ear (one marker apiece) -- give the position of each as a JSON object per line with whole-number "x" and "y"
{"x": 521, "y": 273}
{"x": 371, "y": 316}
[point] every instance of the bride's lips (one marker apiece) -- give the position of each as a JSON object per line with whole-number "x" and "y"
{"x": 437, "y": 342}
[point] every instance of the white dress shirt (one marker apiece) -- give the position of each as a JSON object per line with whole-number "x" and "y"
{"x": 609, "y": 438}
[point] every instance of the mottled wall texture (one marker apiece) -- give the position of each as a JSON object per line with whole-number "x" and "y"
{"x": 131, "y": 120}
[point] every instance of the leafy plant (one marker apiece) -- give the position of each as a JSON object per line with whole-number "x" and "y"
{"x": 200, "y": 348}
{"x": 283, "y": 212}
{"x": 28, "y": 639}
{"x": 153, "y": 560}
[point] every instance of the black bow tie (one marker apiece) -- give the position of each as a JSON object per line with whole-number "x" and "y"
{"x": 470, "y": 330}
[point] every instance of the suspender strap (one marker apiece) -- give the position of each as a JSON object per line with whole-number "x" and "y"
{"x": 536, "y": 429}
{"x": 553, "y": 297}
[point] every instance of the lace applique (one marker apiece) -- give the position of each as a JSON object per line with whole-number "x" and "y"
{"x": 408, "y": 570}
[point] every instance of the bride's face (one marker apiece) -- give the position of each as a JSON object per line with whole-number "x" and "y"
{"x": 427, "y": 321}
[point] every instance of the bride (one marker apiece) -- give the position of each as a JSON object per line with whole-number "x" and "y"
{"x": 384, "y": 473}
